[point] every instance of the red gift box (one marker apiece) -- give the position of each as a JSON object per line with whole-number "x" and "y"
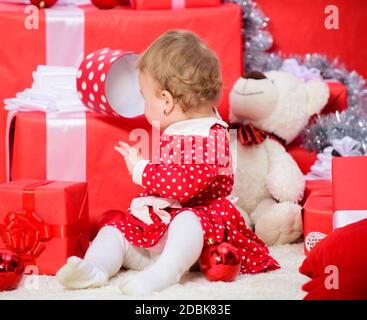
{"x": 317, "y": 188}
{"x": 317, "y": 213}
{"x": 81, "y": 152}
{"x": 44, "y": 222}
{"x": 173, "y": 4}
{"x": 317, "y": 219}
{"x": 338, "y": 97}
{"x": 330, "y": 205}
{"x": 304, "y": 158}
{"x": 85, "y": 29}
{"x": 338, "y": 101}
{"x": 349, "y": 190}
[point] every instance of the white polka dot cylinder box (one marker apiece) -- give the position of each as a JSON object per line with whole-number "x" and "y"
{"x": 107, "y": 83}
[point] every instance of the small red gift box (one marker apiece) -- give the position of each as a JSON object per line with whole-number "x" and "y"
{"x": 338, "y": 101}
{"x": 317, "y": 188}
{"x": 317, "y": 220}
{"x": 349, "y": 190}
{"x": 44, "y": 222}
{"x": 338, "y": 97}
{"x": 304, "y": 158}
{"x": 317, "y": 213}
{"x": 173, "y": 4}
{"x": 333, "y": 205}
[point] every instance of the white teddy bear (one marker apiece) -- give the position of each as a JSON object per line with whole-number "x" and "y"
{"x": 269, "y": 110}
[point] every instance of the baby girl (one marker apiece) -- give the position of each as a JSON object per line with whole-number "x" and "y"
{"x": 184, "y": 206}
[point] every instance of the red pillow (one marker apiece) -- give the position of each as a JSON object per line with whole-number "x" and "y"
{"x": 337, "y": 265}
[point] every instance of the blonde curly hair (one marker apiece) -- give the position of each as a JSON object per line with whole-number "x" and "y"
{"x": 182, "y": 64}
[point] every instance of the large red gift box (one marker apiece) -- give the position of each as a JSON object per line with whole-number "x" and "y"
{"x": 172, "y": 4}
{"x": 349, "y": 176}
{"x": 65, "y": 34}
{"x": 109, "y": 183}
{"x": 44, "y": 222}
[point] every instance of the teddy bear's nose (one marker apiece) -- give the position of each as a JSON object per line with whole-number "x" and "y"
{"x": 256, "y": 75}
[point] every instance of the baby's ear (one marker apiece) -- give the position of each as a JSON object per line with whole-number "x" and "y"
{"x": 166, "y": 96}
{"x": 168, "y": 102}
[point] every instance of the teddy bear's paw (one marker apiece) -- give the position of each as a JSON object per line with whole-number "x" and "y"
{"x": 281, "y": 224}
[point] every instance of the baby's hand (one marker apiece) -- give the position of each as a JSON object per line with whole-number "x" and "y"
{"x": 131, "y": 155}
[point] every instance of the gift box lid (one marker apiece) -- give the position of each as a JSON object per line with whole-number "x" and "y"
{"x": 316, "y": 184}
{"x": 317, "y": 188}
{"x": 107, "y": 82}
{"x": 320, "y": 187}
{"x": 319, "y": 204}
{"x": 349, "y": 183}
{"x": 59, "y": 202}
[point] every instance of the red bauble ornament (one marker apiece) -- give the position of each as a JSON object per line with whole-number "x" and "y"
{"x": 105, "y": 4}
{"x": 11, "y": 270}
{"x": 220, "y": 262}
{"x": 43, "y": 3}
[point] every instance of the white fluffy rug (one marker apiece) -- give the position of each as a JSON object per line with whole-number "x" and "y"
{"x": 284, "y": 283}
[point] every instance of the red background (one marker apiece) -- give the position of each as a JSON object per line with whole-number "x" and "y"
{"x": 298, "y": 27}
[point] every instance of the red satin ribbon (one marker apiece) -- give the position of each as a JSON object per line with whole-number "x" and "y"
{"x": 250, "y": 135}
{"x": 25, "y": 232}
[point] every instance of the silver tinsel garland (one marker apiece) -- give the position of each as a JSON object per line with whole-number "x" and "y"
{"x": 319, "y": 134}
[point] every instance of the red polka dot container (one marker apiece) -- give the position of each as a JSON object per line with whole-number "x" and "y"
{"x": 107, "y": 83}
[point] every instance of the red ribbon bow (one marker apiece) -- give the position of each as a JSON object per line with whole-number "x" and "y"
{"x": 250, "y": 135}
{"x": 23, "y": 232}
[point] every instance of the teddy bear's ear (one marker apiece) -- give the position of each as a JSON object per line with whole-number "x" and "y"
{"x": 318, "y": 95}
{"x": 255, "y": 75}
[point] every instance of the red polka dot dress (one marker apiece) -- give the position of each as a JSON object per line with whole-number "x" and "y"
{"x": 193, "y": 165}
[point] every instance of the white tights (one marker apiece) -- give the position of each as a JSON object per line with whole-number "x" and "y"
{"x": 162, "y": 265}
